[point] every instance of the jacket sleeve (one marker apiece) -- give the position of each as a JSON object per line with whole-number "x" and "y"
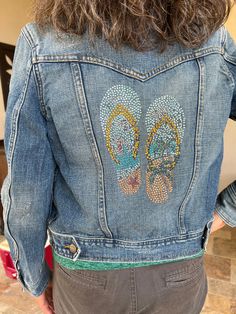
{"x": 226, "y": 199}
{"x": 26, "y": 192}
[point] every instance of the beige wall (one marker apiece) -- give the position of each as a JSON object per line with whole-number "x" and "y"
{"x": 230, "y": 24}
{"x": 15, "y": 13}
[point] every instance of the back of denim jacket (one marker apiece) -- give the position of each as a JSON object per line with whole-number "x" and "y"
{"x": 120, "y": 148}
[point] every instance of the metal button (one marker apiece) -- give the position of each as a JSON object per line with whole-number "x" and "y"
{"x": 72, "y": 248}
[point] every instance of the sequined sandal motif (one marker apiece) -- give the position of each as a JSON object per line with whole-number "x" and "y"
{"x": 165, "y": 123}
{"x": 120, "y": 112}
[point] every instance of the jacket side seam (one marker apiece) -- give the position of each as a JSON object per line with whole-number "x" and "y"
{"x": 13, "y": 136}
{"x": 197, "y": 144}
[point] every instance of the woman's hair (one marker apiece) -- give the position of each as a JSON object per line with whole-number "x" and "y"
{"x": 142, "y": 24}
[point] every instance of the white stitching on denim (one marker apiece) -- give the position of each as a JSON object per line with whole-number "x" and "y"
{"x": 198, "y": 135}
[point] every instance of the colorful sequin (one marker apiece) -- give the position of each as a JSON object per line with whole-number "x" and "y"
{"x": 120, "y": 112}
{"x": 165, "y": 123}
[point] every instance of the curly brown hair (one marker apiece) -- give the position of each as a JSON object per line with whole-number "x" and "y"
{"x": 142, "y": 24}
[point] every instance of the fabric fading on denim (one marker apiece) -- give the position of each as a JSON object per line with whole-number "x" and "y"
{"x": 115, "y": 155}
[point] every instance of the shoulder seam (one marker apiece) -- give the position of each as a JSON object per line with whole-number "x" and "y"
{"x": 223, "y": 37}
{"x": 226, "y": 56}
{"x": 27, "y": 34}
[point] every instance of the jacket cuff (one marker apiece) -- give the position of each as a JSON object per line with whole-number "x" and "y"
{"x": 38, "y": 288}
{"x": 226, "y": 205}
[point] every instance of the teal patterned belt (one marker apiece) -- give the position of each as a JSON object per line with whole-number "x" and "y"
{"x": 94, "y": 265}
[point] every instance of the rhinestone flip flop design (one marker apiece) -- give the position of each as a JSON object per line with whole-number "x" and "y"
{"x": 120, "y": 112}
{"x": 165, "y": 123}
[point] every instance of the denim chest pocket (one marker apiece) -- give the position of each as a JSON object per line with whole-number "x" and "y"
{"x": 84, "y": 277}
{"x": 188, "y": 274}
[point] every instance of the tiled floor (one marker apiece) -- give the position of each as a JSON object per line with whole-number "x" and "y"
{"x": 220, "y": 262}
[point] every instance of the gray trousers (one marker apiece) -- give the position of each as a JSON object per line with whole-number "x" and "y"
{"x": 171, "y": 288}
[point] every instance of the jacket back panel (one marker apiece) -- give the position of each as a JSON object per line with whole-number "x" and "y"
{"x": 138, "y": 138}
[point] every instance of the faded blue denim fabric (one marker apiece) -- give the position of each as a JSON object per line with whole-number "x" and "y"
{"x": 115, "y": 155}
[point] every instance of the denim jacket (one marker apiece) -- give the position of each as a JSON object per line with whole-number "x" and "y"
{"x": 114, "y": 154}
